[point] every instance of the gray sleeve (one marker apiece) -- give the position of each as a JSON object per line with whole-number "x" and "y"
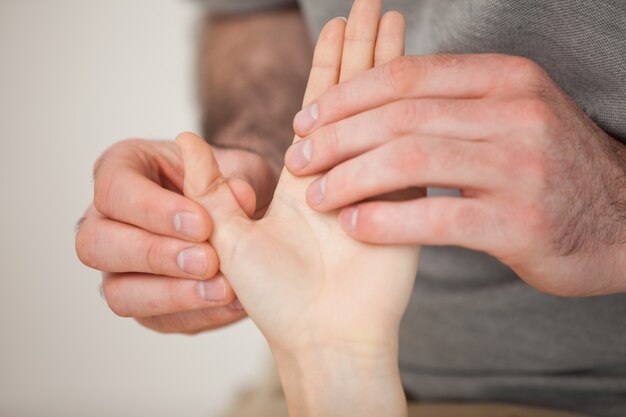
{"x": 243, "y": 6}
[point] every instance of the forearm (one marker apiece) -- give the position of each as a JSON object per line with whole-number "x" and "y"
{"x": 330, "y": 383}
{"x": 253, "y": 71}
{"x": 616, "y": 265}
{"x": 601, "y": 257}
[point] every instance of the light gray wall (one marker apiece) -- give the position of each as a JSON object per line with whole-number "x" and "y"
{"x": 76, "y": 76}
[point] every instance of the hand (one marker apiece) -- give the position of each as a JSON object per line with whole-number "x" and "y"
{"x": 542, "y": 187}
{"x": 150, "y": 241}
{"x": 329, "y": 306}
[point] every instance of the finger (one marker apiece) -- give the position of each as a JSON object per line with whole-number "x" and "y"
{"x": 123, "y": 192}
{"x": 442, "y": 76}
{"x": 426, "y": 221}
{"x": 360, "y": 38}
{"x": 407, "y": 162}
{"x": 111, "y": 246}
{"x": 326, "y": 59}
{"x": 390, "y": 39}
{"x": 457, "y": 118}
{"x": 244, "y": 194}
{"x": 192, "y": 322}
{"x": 205, "y": 184}
{"x": 141, "y": 295}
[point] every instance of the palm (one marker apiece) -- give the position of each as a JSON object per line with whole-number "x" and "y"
{"x": 299, "y": 276}
{"x": 316, "y": 270}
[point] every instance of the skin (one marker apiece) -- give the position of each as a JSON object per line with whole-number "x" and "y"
{"x": 129, "y": 231}
{"x": 543, "y": 188}
{"x": 329, "y": 306}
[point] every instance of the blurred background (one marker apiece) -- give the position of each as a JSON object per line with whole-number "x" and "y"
{"x": 75, "y": 77}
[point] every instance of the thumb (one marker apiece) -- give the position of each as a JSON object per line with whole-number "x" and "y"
{"x": 205, "y": 184}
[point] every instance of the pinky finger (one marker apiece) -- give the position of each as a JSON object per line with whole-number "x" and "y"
{"x": 434, "y": 221}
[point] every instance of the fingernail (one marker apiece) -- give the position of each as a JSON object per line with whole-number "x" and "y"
{"x": 187, "y": 223}
{"x": 317, "y": 190}
{"x": 192, "y": 261}
{"x": 349, "y": 218}
{"x": 299, "y": 155}
{"x": 306, "y": 119}
{"x": 236, "y": 304}
{"x": 342, "y": 18}
{"x": 212, "y": 289}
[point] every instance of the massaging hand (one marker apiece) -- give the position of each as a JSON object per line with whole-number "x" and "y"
{"x": 543, "y": 187}
{"x": 150, "y": 241}
{"x": 322, "y": 299}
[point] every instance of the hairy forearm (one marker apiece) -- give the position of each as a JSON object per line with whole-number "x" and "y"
{"x": 601, "y": 259}
{"x": 618, "y": 204}
{"x": 253, "y": 71}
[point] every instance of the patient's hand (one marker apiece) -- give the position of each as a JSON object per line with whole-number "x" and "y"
{"x": 317, "y": 295}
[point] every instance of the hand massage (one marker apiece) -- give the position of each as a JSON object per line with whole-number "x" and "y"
{"x": 444, "y": 236}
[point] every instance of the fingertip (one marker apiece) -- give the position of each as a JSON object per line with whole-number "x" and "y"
{"x": 333, "y": 28}
{"x": 349, "y": 219}
{"x": 298, "y": 156}
{"x": 185, "y": 137}
{"x": 363, "y": 223}
{"x": 192, "y": 223}
{"x": 394, "y": 19}
{"x": 316, "y": 193}
{"x": 229, "y": 293}
{"x": 213, "y": 262}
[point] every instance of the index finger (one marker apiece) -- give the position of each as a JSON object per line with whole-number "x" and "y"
{"x": 124, "y": 192}
{"x": 434, "y": 76}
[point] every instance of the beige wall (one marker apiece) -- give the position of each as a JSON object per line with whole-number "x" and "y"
{"x": 76, "y": 76}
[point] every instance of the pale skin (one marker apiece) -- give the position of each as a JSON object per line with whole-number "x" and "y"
{"x": 329, "y": 306}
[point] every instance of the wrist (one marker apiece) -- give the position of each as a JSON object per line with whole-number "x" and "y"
{"x": 328, "y": 381}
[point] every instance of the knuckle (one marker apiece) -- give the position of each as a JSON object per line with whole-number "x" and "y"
{"x": 525, "y": 73}
{"x": 449, "y": 157}
{"x": 411, "y": 158}
{"x": 470, "y": 219}
{"x": 536, "y": 114}
{"x": 337, "y": 100}
{"x": 178, "y": 295}
{"x": 533, "y": 108}
{"x": 154, "y": 256}
{"x": 331, "y": 143}
{"x": 400, "y": 74}
{"x": 399, "y": 116}
{"x": 105, "y": 180}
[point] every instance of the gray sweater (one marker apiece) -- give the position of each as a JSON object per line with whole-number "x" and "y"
{"x": 474, "y": 331}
